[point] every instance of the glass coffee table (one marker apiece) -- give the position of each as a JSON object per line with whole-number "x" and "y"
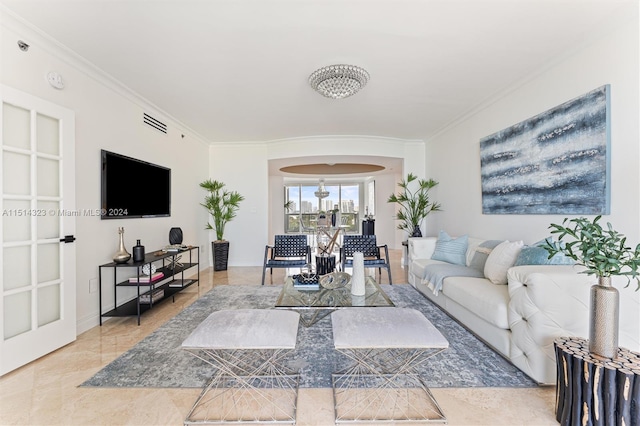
{"x": 313, "y": 305}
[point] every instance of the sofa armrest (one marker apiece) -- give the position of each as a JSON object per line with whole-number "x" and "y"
{"x": 546, "y": 302}
{"x": 421, "y": 247}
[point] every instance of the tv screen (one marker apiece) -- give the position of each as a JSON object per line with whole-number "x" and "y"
{"x": 134, "y": 188}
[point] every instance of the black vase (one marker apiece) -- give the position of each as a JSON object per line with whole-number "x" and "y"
{"x": 416, "y": 231}
{"x": 138, "y": 252}
{"x": 220, "y": 255}
{"x": 175, "y": 236}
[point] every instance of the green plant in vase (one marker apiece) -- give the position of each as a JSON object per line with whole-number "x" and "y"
{"x": 222, "y": 205}
{"x": 415, "y": 205}
{"x": 604, "y": 253}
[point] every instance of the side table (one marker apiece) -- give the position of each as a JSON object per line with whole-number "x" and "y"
{"x": 596, "y": 391}
{"x": 325, "y": 264}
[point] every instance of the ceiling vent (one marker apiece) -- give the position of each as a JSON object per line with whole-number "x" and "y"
{"x": 154, "y": 123}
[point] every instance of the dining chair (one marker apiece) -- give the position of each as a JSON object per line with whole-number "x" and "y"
{"x": 288, "y": 251}
{"x": 367, "y": 245}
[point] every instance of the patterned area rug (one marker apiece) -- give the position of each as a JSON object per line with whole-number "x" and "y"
{"x": 159, "y": 362}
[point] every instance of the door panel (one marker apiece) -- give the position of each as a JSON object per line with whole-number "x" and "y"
{"x": 38, "y": 309}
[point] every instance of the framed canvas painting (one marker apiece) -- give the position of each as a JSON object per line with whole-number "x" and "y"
{"x": 554, "y": 163}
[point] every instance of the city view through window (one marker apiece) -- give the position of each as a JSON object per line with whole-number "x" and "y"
{"x": 304, "y": 206}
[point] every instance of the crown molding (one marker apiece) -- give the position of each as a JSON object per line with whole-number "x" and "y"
{"x": 34, "y": 36}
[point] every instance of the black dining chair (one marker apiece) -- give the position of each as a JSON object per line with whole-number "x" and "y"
{"x": 288, "y": 251}
{"x": 367, "y": 245}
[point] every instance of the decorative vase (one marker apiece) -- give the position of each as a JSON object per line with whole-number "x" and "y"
{"x": 220, "y": 255}
{"x": 358, "y": 300}
{"x": 416, "y": 231}
{"x": 604, "y": 319}
{"x": 175, "y": 236}
{"x": 357, "y": 278}
{"x": 122, "y": 255}
{"x": 138, "y": 252}
{"x": 333, "y": 219}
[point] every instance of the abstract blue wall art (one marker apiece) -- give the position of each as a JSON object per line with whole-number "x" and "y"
{"x": 554, "y": 163}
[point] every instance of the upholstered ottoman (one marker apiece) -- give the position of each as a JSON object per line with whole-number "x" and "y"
{"x": 385, "y": 346}
{"x": 250, "y": 383}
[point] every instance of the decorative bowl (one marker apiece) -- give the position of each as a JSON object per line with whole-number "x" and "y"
{"x": 335, "y": 280}
{"x": 306, "y": 279}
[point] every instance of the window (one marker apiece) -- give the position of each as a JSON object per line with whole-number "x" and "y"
{"x": 303, "y": 206}
{"x": 371, "y": 198}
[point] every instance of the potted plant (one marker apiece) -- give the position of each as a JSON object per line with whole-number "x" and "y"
{"x": 604, "y": 253}
{"x": 414, "y": 205}
{"x": 222, "y": 205}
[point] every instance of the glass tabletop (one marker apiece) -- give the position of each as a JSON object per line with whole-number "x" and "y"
{"x": 326, "y": 298}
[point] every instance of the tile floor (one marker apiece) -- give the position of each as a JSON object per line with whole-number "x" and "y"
{"x": 46, "y": 392}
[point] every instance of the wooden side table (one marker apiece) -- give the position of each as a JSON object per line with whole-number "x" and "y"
{"x": 596, "y": 391}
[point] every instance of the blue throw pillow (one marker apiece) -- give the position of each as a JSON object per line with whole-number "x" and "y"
{"x": 536, "y": 254}
{"x": 451, "y": 250}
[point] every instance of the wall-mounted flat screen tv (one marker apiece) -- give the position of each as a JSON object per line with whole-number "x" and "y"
{"x": 134, "y": 188}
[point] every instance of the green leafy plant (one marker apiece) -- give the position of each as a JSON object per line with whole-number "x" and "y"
{"x": 414, "y": 205}
{"x": 221, "y": 204}
{"x": 602, "y": 251}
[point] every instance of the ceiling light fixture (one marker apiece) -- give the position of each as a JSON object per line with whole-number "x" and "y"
{"x": 338, "y": 81}
{"x": 321, "y": 192}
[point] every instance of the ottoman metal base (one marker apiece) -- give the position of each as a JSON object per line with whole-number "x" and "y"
{"x": 250, "y": 381}
{"x": 249, "y": 386}
{"x": 382, "y": 384}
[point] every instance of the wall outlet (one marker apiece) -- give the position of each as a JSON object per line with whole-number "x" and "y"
{"x": 93, "y": 285}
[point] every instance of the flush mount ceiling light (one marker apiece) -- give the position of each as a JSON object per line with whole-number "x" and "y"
{"x": 338, "y": 81}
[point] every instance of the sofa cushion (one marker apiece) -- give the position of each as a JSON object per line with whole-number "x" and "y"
{"x": 536, "y": 254}
{"x": 480, "y": 296}
{"x": 481, "y": 253}
{"x": 501, "y": 258}
{"x": 451, "y": 250}
{"x": 471, "y": 247}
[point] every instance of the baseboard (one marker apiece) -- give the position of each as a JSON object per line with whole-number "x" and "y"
{"x": 87, "y": 323}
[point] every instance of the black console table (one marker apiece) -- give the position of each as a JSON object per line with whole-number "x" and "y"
{"x": 149, "y": 294}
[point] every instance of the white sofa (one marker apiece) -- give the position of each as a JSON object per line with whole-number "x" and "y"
{"x": 521, "y": 319}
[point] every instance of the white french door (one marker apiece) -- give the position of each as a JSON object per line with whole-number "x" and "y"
{"x": 38, "y": 289}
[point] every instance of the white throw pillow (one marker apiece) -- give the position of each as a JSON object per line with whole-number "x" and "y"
{"x": 501, "y": 258}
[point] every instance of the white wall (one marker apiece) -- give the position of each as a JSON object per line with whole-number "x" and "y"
{"x": 243, "y": 167}
{"x": 108, "y": 118}
{"x": 453, "y": 157}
